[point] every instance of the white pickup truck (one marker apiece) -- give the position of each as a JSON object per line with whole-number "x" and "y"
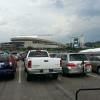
{"x": 39, "y": 62}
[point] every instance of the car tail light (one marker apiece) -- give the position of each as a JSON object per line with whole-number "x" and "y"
{"x": 29, "y": 64}
{"x": 88, "y": 65}
{"x": 70, "y": 65}
{"x": 10, "y": 63}
{"x": 10, "y": 60}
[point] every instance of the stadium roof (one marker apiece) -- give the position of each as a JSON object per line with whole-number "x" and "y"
{"x": 91, "y": 50}
{"x": 35, "y": 38}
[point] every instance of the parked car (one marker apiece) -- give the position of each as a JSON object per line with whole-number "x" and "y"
{"x": 53, "y": 55}
{"x": 95, "y": 62}
{"x": 7, "y": 65}
{"x": 22, "y": 56}
{"x": 2, "y": 53}
{"x": 74, "y": 63}
{"x": 16, "y": 55}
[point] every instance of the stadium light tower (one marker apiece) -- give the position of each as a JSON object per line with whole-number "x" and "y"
{"x": 82, "y": 41}
{"x": 78, "y": 41}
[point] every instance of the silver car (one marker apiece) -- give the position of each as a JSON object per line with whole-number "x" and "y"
{"x": 74, "y": 63}
{"x": 95, "y": 62}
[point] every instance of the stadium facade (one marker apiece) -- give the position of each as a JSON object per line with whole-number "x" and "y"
{"x": 31, "y": 41}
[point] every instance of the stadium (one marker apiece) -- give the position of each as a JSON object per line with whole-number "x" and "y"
{"x": 35, "y": 42}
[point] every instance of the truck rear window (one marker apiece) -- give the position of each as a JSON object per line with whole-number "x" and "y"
{"x": 78, "y": 57}
{"x": 38, "y": 54}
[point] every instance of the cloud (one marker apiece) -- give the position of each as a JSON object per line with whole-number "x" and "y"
{"x": 60, "y": 18}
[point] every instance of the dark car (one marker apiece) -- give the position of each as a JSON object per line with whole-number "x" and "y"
{"x": 7, "y": 66}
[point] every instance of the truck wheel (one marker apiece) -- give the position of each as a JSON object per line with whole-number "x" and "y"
{"x": 12, "y": 76}
{"x": 98, "y": 70}
{"x": 63, "y": 72}
{"x": 25, "y": 69}
{"x": 55, "y": 76}
{"x": 83, "y": 74}
{"x": 28, "y": 77}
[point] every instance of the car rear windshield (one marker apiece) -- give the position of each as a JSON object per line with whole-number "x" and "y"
{"x": 38, "y": 54}
{"x": 78, "y": 57}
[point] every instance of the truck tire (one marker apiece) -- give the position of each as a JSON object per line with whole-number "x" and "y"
{"x": 28, "y": 77}
{"x": 25, "y": 70}
{"x": 83, "y": 74}
{"x": 55, "y": 76}
{"x": 98, "y": 70}
{"x": 12, "y": 76}
{"x": 63, "y": 72}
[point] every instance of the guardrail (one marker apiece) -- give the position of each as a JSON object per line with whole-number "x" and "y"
{"x": 88, "y": 89}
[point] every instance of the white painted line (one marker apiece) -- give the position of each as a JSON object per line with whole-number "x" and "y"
{"x": 68, "y": 93}
{"x": 59, "y": 78}
{"x": 19, "y": 78}
{"x": 92, "y": 75}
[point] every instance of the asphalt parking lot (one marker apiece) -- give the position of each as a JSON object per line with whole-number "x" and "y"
{"x": 44, "y": 88}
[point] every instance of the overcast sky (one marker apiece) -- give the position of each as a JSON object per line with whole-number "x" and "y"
{"x": 61, "y": 19}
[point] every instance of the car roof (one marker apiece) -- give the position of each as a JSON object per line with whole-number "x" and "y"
{"x": 70, "y": 53}
{"x": 38, "y": 50}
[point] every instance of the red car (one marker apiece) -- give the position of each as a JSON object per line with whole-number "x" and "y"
{"x": 7, "y": 65}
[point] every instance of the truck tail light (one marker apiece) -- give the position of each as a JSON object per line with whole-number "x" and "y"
{"x": 29, "y": 64}
{"x": 70, "y": 65}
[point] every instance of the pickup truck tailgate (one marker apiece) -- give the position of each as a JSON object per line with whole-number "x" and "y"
{"x": 44, "y": 63}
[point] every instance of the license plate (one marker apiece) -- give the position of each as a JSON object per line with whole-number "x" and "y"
{"x": 46, "y": 71}
{"x": 79, "y": 66}
{"x": 1, "y": 65}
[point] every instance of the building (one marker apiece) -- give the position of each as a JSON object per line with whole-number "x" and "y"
{"x": 7, "y": 45}
{"x": 35, "y": 42}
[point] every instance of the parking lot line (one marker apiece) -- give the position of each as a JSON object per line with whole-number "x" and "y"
{"x": 93, "y": 75}
{"x": 19, "y": 75}
{"x": 65, "y": 91}
{"x": 59, "y": 78}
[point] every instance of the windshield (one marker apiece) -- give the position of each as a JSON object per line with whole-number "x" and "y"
{"x": 77, "y": 57}
{"x": 38, "y": 54}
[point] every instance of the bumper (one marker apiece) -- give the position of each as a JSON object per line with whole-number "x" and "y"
{"x": 77, "y": 71}
{"x": 45, "y": 71}
{"x": 6, "y": 72}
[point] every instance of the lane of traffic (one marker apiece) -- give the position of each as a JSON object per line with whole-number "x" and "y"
{"x": 44, "y": 88}
{"x": 67, "y": 86}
